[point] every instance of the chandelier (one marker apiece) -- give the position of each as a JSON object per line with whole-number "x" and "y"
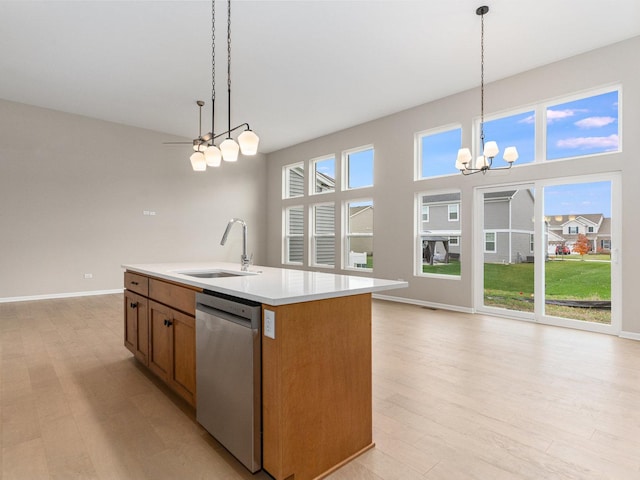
{"x": 490, "y": 149}
{"x": 206, "y": 152}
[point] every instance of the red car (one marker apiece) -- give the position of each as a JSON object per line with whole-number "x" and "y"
{"x": 562, "y": 250}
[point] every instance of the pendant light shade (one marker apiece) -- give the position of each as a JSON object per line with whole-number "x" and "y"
{"x": 248, "y": 141}
{"x": 213, "y": 156}
{"x": 229, "y": 149}
{"x": 198, "y": 163}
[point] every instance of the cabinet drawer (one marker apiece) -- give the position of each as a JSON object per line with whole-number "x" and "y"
{"x": 136, "y": 283}
{"x": 180, "y": 298}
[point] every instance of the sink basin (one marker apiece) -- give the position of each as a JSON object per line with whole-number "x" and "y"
{"x": 212, "y": 274}
{"x": 215, "y": 273}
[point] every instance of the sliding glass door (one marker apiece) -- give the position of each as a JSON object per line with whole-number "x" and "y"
{"x": 548, "y": 252}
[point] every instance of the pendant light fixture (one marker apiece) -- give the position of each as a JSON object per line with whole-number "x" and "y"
{"x": 490, "y": 149}
{"x": 206, "y": 152}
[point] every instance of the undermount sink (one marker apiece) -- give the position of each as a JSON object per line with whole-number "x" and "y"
{"x": 215, "y": 274}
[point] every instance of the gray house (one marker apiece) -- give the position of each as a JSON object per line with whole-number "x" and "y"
{"x": 508, "y": 226}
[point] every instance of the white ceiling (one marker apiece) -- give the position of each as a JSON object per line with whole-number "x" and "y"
{"x": 300, "y": 69}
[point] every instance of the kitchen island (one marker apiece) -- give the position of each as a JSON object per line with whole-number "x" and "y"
{"x": 316, "y": 353}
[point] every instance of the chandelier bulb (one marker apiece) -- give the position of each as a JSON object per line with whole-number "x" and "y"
{"x": 198, "y": 163}
{"x": 229, "y": 149}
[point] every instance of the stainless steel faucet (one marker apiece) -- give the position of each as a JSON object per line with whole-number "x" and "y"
{"x": 245, "y": 260}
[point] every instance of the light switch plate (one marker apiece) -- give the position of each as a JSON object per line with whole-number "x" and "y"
{"x": 270, "y": 324}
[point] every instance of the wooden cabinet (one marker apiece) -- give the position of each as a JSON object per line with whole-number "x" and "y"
{"x": 136, "y": 326}
{"x": 316, "y": 387}
{"x": 159, "y": 329}
{"x": 172, "y": 349}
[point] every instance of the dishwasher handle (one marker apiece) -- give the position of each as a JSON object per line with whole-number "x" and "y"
{"x": 243, "y": 322}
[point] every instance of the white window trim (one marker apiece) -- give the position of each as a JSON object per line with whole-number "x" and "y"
{"x": 313, "y": 235}
{"x": 345, "y": 167}
{"x": 287, "y": 236}
{"x": 417, "y": 149}
{"x": 593, "y": 92}
{"x": 495, "y": 241}
{"x": 457, "y": 211}
{"x": 285, "y": 183}
{"x": 312, "y": 174}
{"x": 347, "y": 236}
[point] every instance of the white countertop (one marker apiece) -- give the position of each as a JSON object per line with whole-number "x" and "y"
{"x": 273, "y": 286}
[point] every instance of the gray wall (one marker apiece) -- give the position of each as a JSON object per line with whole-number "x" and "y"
{"x": 73, "y": 191}
{"x": 394, "y": 189}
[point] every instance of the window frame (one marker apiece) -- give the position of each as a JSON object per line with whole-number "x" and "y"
{"x": 345, "y": 167}
{"x": 495, "y": 241}
{"x": 457, "y": 212}
{"x": 418, "y": 154}
{"x": 313, "y": 235}
{"x": 287, "y": 236}
{"x": 582, "y": 95}
{"x": 286, "y": 186}
{"x": 347, "y": 236}
{"x": 313, "y": 173}
{"x": 420, "y": 231}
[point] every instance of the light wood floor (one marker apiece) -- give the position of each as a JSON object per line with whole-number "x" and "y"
{"x": 456, "y": 396}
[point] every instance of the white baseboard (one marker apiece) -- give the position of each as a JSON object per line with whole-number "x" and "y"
{"x": 630, "y": 335}
{"x": 60, "y": 295}
{"x": 411, "y": 301}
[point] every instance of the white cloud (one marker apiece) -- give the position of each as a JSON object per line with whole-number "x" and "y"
{"x": 553, "y": 115}
{"x": 594, "y": 122}
{"x": 529, "y": 119}
{"x": 604, "y": 143}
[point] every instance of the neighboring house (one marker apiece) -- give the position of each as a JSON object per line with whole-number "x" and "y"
{"x": 508, "y": 225}
{"x": 361, "y": 221}
{"x": 564, "y": 230}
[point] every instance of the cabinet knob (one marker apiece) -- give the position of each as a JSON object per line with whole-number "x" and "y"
{"x": 133, "y": 304}
{"x": 134, "y": 283}
{"x": 168, "y": 323}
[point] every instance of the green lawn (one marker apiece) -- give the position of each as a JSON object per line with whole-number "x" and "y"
{"x": 451, "y": 268}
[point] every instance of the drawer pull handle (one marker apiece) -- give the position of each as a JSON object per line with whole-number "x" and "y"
{"x": 168, "y": 323}
{"x": 133, "y": 304}
{"x": 134, "y": 283}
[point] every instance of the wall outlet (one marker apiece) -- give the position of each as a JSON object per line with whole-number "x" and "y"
{"x": 88, "y": 275}
{"x": 270, "y": 324}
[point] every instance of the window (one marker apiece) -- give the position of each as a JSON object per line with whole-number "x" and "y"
{"x": 359, "y": 234}
{"x": 294, "y": 235}
{"x": 453, "y": 212}
{"x": 436, "y": 152}
{"x": 585, "y": 126}
{"x": 531, "y": 242}
{"x": 323, "y": 234}
{"x": 512, "y": 131}
{"x": 323, "y": 171}
{"x": 425, "y": 216}
{"x": 605, "y": 244}
{"x": 293, "y": 180}
{"x": 438, "y": 234}
{"x": 573, "y": 230}
{"x": 490, "y": 242}
{"x": 590, "y": 229}
{"x": 359, "y": 168}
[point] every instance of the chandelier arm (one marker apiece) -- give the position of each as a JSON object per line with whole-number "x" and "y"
{"x": 232, "y": 130}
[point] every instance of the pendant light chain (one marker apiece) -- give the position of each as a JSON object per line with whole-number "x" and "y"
{"x": 213, "y": 68}
{"x": 229, "y": 62}
{"x": 482, "y": 80}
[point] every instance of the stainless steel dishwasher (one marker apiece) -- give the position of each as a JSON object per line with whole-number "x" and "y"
{"x": 228, "y": 363}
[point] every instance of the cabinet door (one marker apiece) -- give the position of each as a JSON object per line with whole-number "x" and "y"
{"x": 183, "y": 342}
{"x": 136, "y": 326}
{"x": 160, "y": 321}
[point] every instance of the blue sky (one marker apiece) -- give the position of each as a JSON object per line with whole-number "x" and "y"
{"x": 578, "y": 198}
